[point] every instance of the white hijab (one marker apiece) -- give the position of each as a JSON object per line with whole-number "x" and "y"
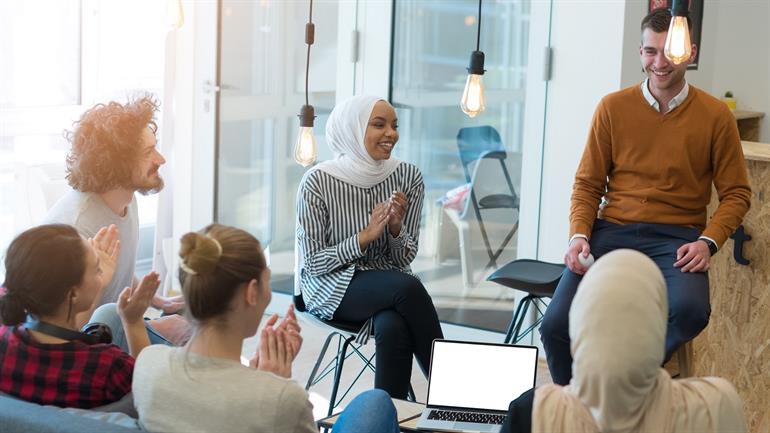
{"x": 617, "y": 324}
{"x": 345, "y": 132}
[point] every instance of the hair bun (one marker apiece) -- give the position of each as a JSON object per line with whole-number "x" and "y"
{"x": 199, "y": 253}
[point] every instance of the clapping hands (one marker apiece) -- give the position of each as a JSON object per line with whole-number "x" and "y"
{"x": 278, "y": 345}
{"x": 133, "y": 302}
{"x": 398, "y": 203}
{"x": 388, "y": 214}
{"x": 107, "y": 247}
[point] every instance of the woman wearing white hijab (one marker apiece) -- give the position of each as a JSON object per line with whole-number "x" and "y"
{"x": 358, "y": 219}
{"x": 617, "y": 382}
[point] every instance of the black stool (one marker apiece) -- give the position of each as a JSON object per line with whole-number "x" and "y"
{"x": 539, "y": 280}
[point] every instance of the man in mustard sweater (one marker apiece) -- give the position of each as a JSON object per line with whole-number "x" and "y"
{"x": 644, "y": 182}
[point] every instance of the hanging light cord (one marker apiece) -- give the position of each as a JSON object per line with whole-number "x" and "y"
{"x": 309, "y": 39}
{"x": 478, "y": 28}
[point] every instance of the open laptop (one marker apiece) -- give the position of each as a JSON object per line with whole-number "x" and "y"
{"x": 472, "y": 384}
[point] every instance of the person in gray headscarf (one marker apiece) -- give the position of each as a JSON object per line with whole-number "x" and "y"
{"x": 618, "y": 328}
{"x": 358, "y": 222}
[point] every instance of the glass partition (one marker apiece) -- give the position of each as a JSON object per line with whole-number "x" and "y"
{"x": 262, "y": 72}
{"x": 471, "y": 210}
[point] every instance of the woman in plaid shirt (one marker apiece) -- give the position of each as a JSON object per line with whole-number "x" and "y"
{"x": 52, "y": 274}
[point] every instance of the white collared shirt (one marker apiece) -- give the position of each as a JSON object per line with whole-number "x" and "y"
{"x": 673, "y": 103}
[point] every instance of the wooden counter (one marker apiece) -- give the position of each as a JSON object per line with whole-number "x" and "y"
{"x": 736, "y": 343}
{"x": 754, "y": 151}
{"x": 748, "y": 123}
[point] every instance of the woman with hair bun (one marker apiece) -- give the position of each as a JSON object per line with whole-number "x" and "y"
{"x": 203, "y": 386}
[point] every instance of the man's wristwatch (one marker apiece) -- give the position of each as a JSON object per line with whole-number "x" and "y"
{"x": 712, "y": 246}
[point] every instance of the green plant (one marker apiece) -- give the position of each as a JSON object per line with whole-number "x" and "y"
{"x": 728, "y": 94}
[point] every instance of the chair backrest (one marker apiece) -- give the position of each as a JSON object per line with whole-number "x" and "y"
{"x": 473, "y": 141}
{"x": 299, "y": 303}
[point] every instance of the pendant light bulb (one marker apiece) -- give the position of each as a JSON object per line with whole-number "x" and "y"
{"x": 678, "y": 46}
{"x": 473, "y": 96}
{"x": 305, "y": 149}
{"x": 472, "y": 102}
{"x": 175, "y": 14}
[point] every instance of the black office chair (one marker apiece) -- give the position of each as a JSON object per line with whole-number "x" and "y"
{"x": 539, "y": 280}
{"x": 348, "y": 344}
{"x": 476, "y": 144}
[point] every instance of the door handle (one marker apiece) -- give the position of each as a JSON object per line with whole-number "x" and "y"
{"x": 210, "y": 87}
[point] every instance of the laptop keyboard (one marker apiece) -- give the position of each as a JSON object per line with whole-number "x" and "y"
{"x": 477, "y": 417}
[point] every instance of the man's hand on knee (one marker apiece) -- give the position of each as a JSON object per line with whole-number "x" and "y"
{"x": 578, "y": 246}
{"x": 693, "y": 257}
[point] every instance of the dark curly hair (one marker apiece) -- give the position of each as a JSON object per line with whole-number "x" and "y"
{"x": 105, "y": 144}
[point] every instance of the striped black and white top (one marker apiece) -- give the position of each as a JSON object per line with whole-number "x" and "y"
{"x": 330, "y": 213}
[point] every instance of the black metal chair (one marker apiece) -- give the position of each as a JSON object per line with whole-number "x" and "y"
{"x": 347, "y": 334}
{"x": 539, "y": 280}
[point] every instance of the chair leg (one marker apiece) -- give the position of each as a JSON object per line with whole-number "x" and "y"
{"x": 684, "y": 357}
{"x": 338, "y": 373}
{"x": 466, "y": 258}
{"x": 526, "y": 301}
{"x": 509, "y": 333}
{"x": 534, "y": 303}
{"x": 319, "y": 360}
{"x": 500, "y": 250}
{"x": 483, "y": 229}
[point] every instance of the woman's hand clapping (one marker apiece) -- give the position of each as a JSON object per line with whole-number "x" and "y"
{"x": 377, "y": 223}
{"x": 133, "y": 302}
{"x": 107, "y": 247}
{"x": 278, "y": 345}
{"x": 398, "y": 205}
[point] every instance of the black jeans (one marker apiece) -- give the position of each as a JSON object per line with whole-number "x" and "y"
{"x": 519, "y": 416}
{"x": 405, "y": 323}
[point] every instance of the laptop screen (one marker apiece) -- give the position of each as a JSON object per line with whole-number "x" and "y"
{"x": 479, "y": 375}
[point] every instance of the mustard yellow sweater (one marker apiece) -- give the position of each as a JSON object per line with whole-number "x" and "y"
{"x": 658, "y": 168}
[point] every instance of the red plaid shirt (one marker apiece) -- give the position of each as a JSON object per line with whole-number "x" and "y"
{"x": 71, "y": 374}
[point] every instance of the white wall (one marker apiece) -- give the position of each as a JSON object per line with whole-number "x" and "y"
{"x": 587, "y": 42}
{"x": 735, "y": 52}
{"x": 742, "y": 53}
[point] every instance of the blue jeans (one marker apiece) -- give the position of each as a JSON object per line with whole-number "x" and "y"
{"x": 371, "y": 412}
{"x": 688, "y": 292}
{"x": 108, "y": 314}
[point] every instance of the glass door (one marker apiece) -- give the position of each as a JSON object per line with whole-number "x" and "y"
{"x": 474, "y": 212}
{"x": 261, "y": 89}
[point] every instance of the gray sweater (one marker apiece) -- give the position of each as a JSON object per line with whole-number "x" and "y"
{"x": 178, "y": 391}
{"x": 87, "y": 212}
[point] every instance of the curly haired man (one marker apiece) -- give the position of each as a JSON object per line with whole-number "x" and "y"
{"x": 113, "y": 156}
